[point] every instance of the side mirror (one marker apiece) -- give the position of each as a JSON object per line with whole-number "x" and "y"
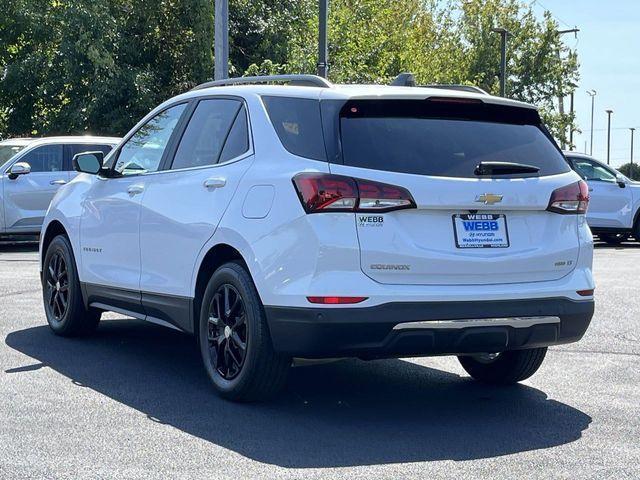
{"x": 88, "y": 162}
{"x": 621, "y": 180}
{"x": 19, "y": 168}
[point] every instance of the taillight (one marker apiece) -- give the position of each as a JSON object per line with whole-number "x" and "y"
{"x": 324, "y": 192}
{"x": 573, "y": 198}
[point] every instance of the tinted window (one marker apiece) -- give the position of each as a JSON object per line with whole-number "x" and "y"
{"x": 593, "y": 171}
{"x": 238, "y": 140}
{"x": 143, "y": 151}
{"x": 298, "y": 125}
{"x": 443, "y": 139}
{"x": 204, "y": 137}
{"x": 78, "y": 148}
{"x": 47, "y": 158}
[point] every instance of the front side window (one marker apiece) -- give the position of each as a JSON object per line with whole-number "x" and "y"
{"x": 47, "y": 158}
{"x": 143, "y": 152}
{"x": 592, "y": 171}
{"x": 8, "y": 151}
{"x": 211, "y": 135}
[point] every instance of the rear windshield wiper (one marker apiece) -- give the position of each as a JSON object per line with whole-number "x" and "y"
{"x": 503, "y": 168}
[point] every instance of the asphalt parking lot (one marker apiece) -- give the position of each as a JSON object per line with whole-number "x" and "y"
{"x": 133, "y": 402}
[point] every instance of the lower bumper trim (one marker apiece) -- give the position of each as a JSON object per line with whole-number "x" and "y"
{"x": 515, "y": 322}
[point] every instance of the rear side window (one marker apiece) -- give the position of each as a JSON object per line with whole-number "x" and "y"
{"x": 74, "y": 149}
{"x": 79, "y": 148}
{"x": 206, "y": 133}
{"x": 440, "y": 138}
{"x": 298, "y": 125}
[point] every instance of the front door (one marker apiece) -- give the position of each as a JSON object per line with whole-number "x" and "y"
{"x": 27, "y": 197}
{"x": 110, "y": 225}
{"x": 610, "y": 205}
{"x": 183, "y": 205}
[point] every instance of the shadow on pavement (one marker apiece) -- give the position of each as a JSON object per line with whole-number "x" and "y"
{"x": 340, "y": 414}
{"x": 12, "y": 246}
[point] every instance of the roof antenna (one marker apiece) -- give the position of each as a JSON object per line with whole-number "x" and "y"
{"x": 404, "y": 80}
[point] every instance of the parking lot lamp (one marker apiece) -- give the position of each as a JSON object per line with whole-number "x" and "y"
{"x": 592, "y": 94}
{"x": 609, "y": 112}
{"x": 631, "y": 162}
{"x": 323, "y": 53}
{"x": 221, "y": 40}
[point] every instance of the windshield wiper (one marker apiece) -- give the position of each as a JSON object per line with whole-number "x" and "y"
{"x": 503, "y": 168}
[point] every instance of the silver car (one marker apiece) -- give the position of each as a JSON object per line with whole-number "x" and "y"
{"x": 32, "y": 171}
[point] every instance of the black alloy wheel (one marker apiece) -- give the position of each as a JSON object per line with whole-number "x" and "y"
{"x": 227, "y": 332}
{"x": 57, "y": 284}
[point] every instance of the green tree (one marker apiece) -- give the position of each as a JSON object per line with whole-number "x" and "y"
{"x": 631, "y": 170}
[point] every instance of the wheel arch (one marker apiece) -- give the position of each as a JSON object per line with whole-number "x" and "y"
{"x": 54, "y": 228}
{"x": 215, "y": 257}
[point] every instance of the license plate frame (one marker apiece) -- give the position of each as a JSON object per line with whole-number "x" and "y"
{"x": 501, "y": 240}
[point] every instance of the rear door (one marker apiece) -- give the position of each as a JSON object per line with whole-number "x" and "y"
{"x": 610, "y": 205}
{"x": 468, "y": 228}
{"x": 183, "y": 204}
{"x": 27, "y": 197}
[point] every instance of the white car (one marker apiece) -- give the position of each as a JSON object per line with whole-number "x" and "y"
{"x": 32, "y": 171}
{"x": 614, "y": 205}
{"x": 320, "y": 221}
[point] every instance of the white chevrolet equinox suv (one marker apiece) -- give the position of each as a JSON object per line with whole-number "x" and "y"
{"x": 313, "y": 220}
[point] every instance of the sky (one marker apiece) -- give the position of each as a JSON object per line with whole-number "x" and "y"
{"x": 608, "y": 46}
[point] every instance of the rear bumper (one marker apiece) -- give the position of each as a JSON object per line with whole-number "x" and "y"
{"x": 369, "y": 332}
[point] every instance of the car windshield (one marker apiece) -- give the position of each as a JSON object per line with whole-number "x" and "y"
{"x": 7, "y": 152}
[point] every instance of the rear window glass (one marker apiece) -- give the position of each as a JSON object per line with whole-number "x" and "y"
{"x": 297, "y": 123}
{"x": 442, "y": 138}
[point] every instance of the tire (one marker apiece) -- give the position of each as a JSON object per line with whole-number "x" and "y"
{"x": 252, "y": 373}
{"x": 506, "y": 368}
{"x": 63, "y": 303}
{"x": 613, "y": 238}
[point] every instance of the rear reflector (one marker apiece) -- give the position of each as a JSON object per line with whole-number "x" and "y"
{"x": 585, "y": 293}
{"x": 324, "y": 192}
{"x": 573, "y": 198}
{"x": 336, "y": 300}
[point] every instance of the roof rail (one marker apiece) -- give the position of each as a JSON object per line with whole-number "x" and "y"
{"x": 455, "y": 86}
{"x": 297, "y": 80}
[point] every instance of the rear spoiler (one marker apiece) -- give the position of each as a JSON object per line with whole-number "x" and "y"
{"x": 408, "y": 80}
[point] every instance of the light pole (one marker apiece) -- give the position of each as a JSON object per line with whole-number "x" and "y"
{"x": 631, "y": 163}
{"x": 609, "y": 112}
{"x": 592, "y": 94}
{"x": 504, "y": 35}
{"x": 323, "y": 53}
{"x": 221, "y": 40}
{"x": 575, "y": 31}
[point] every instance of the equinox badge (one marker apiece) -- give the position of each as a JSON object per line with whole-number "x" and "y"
{"x": 489, "y": 198}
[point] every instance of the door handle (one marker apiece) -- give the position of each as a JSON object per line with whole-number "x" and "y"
{"x": 57, "y": 182}
{"x": 135, "y": 189}
{"x": 216, "y": 182}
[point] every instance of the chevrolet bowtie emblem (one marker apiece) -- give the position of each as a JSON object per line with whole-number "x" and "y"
{"x": 489, "y": 198}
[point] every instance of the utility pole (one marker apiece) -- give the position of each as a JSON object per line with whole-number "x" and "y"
{"x": 631, "y": 163}
{"x": 571, "y": 125}
{"x": 323, "y": 52}
{"x": 221, "y": 40}
{"x": 575, "y": 31}
{"x": 609, "y": 112}
{"x": 592, "y": 94}
{"x": 504, "y": 35}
